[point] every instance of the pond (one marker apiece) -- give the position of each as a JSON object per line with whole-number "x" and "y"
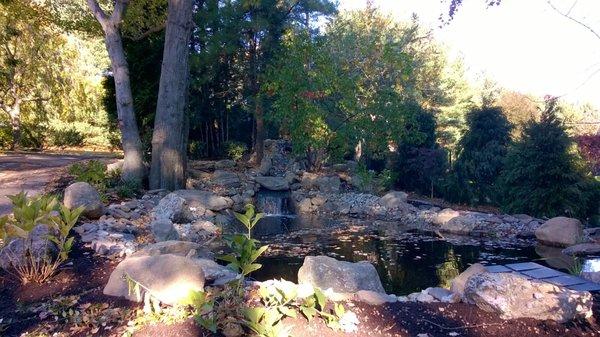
{"x": 406, "y": 259}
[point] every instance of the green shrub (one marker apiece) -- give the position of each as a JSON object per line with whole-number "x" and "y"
{"x": 128, "y": 189}
{"x": 92, "y": 172}
{"x": 235, "y": 150}
{"x": 196, "y": 149}
{"x": 543, "y": 175}
{"x": 66, "y": 137}
{"x": 483, "y": 149}
{"x": 29, "y": 212}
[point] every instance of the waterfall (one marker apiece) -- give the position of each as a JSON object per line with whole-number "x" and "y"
{"x": 273, "y": 203}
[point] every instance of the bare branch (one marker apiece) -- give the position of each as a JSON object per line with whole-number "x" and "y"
{"x": 568, "y": 16}
{"x": 149, "y": 32}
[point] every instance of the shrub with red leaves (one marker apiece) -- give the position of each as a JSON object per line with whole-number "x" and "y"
{"x": 589, "y": 147}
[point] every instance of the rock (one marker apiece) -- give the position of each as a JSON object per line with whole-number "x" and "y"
{"x": 205, "y": 199}
{"x": 462, "y": 225}
{"x": 115, "y": 167}
{"x": 273, "y": 183}
{"x": 206, "y": 226}
{"x": 304, "y": 206}
{"x": 444, "y": 216}
{"x": 583, "y": 249}
{"x": 560, "y": 231}
{"x": 443, "y": 295}
{"x": 169, "y": 278}
{"x": 20, "y": 251}
{"x": 308, "y": 180}
{"x": 422, "y": 297}
{"x": 592, "y": 276}
{"x": 458, "y": 283}
{"x": 224, "y": 164}
{"x": 83, "y": 194}
{"x": 328, "y": 184}
{"x": 174, "y": 208}
{"x": 393, "y": 200}
{"x": 215, "y": 273}
{"x": 265, "y": 166}
{"x": 318, "y": 201}
{"x": 225, "y": 178}
{"x": 163, "y": 230}
{"x": 374, "y": 298}
{"x": 342, "y": 277}
{"x": 175, "y": 247}
{"x": 513, "y": 296}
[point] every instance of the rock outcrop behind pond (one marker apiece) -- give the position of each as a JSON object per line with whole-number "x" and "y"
{"x": 560, "y": 231}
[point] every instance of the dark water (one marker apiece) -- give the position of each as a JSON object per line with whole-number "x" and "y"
{"x": 406, "y": 260}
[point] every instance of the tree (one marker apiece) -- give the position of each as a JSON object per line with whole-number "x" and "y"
{"x": 31, "y": 59}
{"x": 133, "y": 165}
{"x": 544, "y": 175}
{"x": 482, "y": 151}
{"x": 169, "y": 139}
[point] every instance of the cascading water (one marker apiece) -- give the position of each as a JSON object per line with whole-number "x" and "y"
{"x": 278, "y": 214}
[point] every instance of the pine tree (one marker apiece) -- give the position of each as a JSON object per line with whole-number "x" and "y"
{"x": 544, "y": 176}
{"x": 483, "y": 149}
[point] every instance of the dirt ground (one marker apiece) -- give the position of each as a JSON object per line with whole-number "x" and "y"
{"x": 32, "y": 172}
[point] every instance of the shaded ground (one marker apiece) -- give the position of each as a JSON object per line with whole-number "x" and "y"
{"x": 88, "y": 274}
{"x": 32, "y": 172}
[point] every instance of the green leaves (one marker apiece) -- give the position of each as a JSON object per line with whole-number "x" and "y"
{"x": 249, "y": 219}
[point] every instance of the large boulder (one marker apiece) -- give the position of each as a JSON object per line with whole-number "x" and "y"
{"x": 20, "y": 252}
{"x": 513, "y": 296}
{"x": 329, "y": 184}
{"x": 393, "y": 200}
{"x": 583, "y": 249}
{"x": 164, "y": 230}
{"x": 188, "y": 205}
{"x": 445, "y": 215}
{"x": 462, "y": 225}
{"x": 342, "y": 277}
{"x": 83, "y": 194}
{"x": 169, "y": 278}
{"x": 560, "y": 231}
{"x": 226, "y": 178}
{"x": 273, "y": 183}
{"x": 175, "y": 247}
{"x": 205, "y": 199}
{"x": 459, "y": 283}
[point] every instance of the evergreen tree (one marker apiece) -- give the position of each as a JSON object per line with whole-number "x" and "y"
{"x": 544, "y": 175}
{"x": 483, "y": 149}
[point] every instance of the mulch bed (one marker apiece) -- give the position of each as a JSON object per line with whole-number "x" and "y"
{"x": 88, "y": 274}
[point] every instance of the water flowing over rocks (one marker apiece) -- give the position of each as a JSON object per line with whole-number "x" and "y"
{"x": 513, "y": 296}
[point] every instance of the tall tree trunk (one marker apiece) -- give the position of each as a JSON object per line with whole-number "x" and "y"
{"x": 169, "y": 155}
{"x": 133, "y": 165}
{"x": 15, "y": 121}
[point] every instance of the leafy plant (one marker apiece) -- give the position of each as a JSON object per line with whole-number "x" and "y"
{"x": 577, "y": 267}
{"x": 29, "y": 213}
{"x": 235, "y": 150}
{"x": 92, "y": 172}
{"x": 67, "y": 137}
{"x": 249, "y": 219}
{"x": 128, "y": 189}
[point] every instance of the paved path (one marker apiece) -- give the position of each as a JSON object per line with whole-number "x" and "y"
{"x": 532, "y": 270}
{"x": 31, "y": 172}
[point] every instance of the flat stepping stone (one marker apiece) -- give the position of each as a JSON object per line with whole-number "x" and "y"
{"x": 498, "y": 269}
{"x": 566, "y": 280}
{"x": 588, "y": 286}
{"x": 543, "y": 273}
{"x": 524, "y": 266}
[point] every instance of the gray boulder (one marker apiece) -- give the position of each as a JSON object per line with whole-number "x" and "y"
{"x": 224, "y": 164}
{"x": 393, "y": 200}
{"x": 175, "y": 247}
{"x": 169, "y": 278}
{"x": 462, "y": 225}
{"x": 583, "y": 249}
{"x": 83, "y": 194}
{"x": 513, "y": 296}
{"x": 459, "y": 283}
{"x": 329, "y": 184}
{"x": 342, "y": 277}
{"x": 184, "y": 206}
{"x": 163, "y": 230}
{"x": 273, "y": 183}
{"x": 205, "y": 199}
{"x": 560, "y": 231}
{"x": 444, "y": 216}
{"x": 36, "y": 246}
{"x": 226, "y": 178}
